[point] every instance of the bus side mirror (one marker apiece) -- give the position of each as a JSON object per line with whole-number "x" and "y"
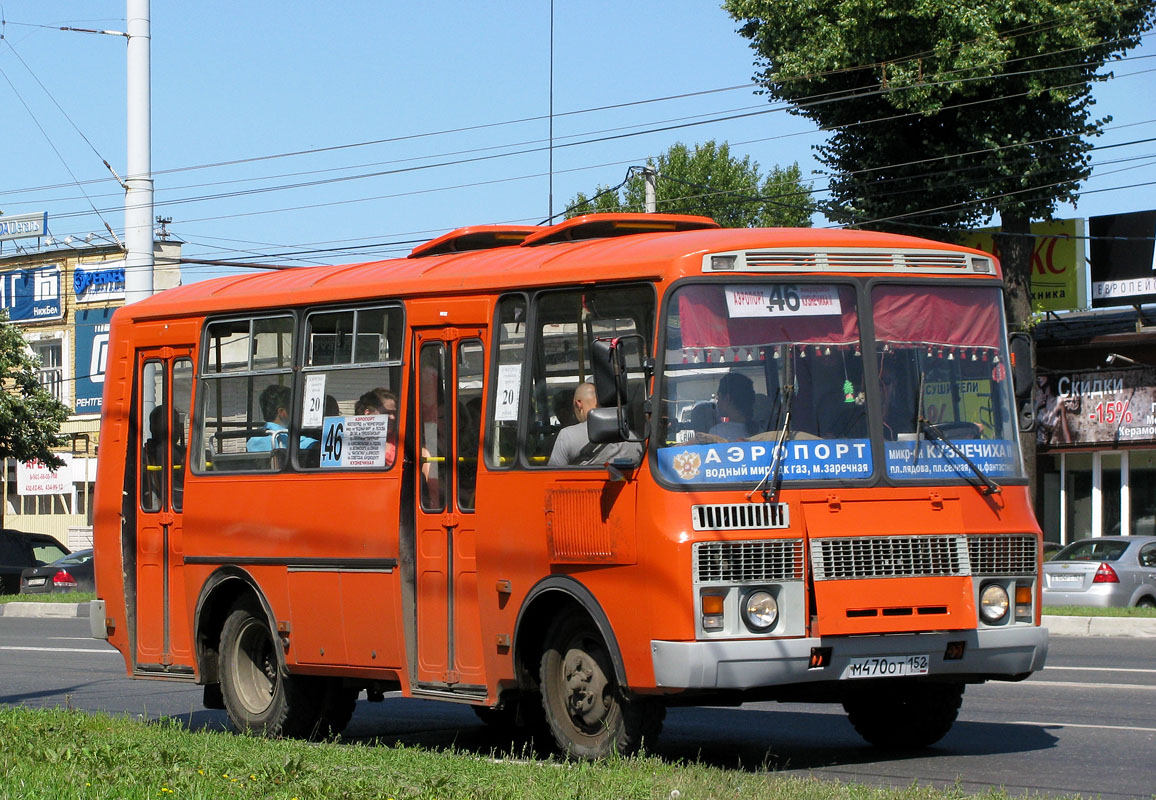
{"x": 620, "y": 370}
{"x": 608, "y": 363}
{"x": 1023, "y": 358}
{"x": 602, "y": 425}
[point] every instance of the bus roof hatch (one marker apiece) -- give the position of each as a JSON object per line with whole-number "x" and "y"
{"x": 475, "y": 237}
{"x": 602, "y": 226}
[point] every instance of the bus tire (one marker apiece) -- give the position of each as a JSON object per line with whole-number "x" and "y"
{"x": 589, "y": 715}
{"x": 904, "y": 715}
{"x": 259, "y": 697}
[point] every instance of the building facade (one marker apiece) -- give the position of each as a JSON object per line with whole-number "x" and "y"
{"x": 61, "y": 296}
{"x": 1095, "y": 414}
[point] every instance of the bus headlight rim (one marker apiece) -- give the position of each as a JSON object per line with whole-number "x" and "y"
{"x": 760, "y": 610}
{"x": 994, "y": 603}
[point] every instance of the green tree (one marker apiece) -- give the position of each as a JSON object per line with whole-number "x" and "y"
{"x": 944, "y": 113}
{"x": 30, "y": 417}
{"x": 710, "y": 182}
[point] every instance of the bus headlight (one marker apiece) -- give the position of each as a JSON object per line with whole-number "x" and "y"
{"x": 993, "y": 603}
{"x": 760, "y": 611}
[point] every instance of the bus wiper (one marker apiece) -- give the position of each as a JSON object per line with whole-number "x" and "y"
{"x": 918, "y": 418}
{"x": 774, "y": 473}
{"x": 934, "y": 432}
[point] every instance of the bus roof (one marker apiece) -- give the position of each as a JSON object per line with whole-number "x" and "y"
{"x": 503, "y": 258}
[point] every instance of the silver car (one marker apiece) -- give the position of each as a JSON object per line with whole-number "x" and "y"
{"x": 1103, "y": 571}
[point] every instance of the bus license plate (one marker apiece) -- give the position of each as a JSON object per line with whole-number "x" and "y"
{"x": 886, "y": 666}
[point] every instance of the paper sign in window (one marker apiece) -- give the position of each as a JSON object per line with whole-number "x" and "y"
{"x": 782, "y": 300}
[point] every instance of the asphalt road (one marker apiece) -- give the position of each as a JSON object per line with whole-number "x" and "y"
{"x": 1085, "y": 725}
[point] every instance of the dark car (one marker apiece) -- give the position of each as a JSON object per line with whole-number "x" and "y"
{"x": 73, "y": 573}
{"x": 20, "y": 550}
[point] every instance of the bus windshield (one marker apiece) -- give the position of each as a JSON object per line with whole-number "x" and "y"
{"x": 748, "y": 366}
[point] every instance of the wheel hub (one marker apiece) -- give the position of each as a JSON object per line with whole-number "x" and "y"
{"x": 586, "y": 688}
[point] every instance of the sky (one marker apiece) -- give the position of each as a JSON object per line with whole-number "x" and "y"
{"x": 294, "y": 133}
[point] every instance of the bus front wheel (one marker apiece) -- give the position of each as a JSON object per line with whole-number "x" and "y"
{"x": 904, "y": 715}
{"x": 589, "y": 714}
{"x": 259, "y": 697}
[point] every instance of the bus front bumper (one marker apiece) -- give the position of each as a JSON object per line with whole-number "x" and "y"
{"x": 997, "y": 653}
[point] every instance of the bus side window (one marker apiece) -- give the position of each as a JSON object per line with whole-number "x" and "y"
{"x": 246, "y": 406}
{"x": 506, "y": 394}
{"x": 352, "y": 371}
{"x": 566, "y": 323}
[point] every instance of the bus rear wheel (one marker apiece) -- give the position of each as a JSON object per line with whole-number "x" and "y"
{"x": 589, "y": 714}
{"x": 259, "y": 697}
{"x": 904, "y": 715}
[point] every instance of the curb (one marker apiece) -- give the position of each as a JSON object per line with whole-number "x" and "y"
{"x": 1100, "y": 626}
{"x": 1057, "y": 626}
{"x": 44, "y": 610}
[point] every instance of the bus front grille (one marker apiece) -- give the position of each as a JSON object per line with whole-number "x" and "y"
{"x": 748, "y": 562}
{"x": 1003, "y": 555}
{"x": 889, "y": 557}
{"x": 739, "y": 516}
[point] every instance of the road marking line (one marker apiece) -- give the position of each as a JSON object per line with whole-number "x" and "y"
{"x": 1050, "y": 668}
{"x": 1081, "y": 725}
{"x": 1078, "y": 685}
{"x": 63, "y": 650}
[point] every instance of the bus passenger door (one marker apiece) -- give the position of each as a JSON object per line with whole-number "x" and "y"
{"x": 164, "y": 395}
{"x": 449, "y": 370}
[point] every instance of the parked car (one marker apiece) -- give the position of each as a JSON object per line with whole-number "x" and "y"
{"x": 73, "y": 573}
{"x": 20, "y": 550}
{"x": 1050, "y": 550}
{"x": 1103, "y": 571}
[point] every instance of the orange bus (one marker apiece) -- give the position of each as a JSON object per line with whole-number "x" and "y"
{"x": 572, "y": 475}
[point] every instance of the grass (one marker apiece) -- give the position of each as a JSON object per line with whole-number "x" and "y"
{"x": 62, "y": 753}
{"x": 50, "y": 597}
{"x": 1087, "y": 611}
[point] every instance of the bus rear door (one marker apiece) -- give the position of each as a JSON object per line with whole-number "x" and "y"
{"x": 165, "y": 384}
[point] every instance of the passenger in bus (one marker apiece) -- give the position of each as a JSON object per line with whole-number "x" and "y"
{"x": 154, "y": 455}
{"x": 736, "y": 410}
{"x": 381, "y": 401}
{"x": 275, "y": 401}
{"x": 573, "y": 446}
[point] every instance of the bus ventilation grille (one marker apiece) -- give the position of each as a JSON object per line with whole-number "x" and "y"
{"x": 748, "y": 562}
{"x": 889, "y": 557}
{"x": 1003, "y": 555}
{"x": 740, "y": 516}
{"x": 850, "y": 261}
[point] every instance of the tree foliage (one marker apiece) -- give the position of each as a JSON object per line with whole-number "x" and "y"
{"x": 942, "y": 112}
{"x": 710, "y": 182}
{"x": 30, "y": 417}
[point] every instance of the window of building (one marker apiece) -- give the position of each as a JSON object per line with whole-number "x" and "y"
{"x": 51, "y": 372}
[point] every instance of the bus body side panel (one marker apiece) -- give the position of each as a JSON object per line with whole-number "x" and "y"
{"x": 327, "y": 548}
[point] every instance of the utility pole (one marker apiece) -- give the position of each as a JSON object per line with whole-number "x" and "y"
{"x": 138, "y": 195}
{"x": 651, "y": 178}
